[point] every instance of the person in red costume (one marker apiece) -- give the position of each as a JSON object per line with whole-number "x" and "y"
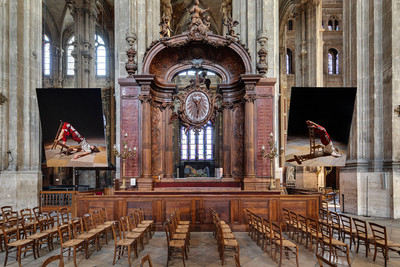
{"x": 325, "y": 139}
{"x": 69, "y": 131}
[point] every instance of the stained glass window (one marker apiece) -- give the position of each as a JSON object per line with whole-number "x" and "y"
{"x": 101, "y": 65}
{"x": 197, "y": 146}
{"x": 70, "y": 58}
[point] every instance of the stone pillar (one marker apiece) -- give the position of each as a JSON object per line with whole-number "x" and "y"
{"x": 84, "y": 13}
{"x": 20, "y": 75}
{"x": 369, "y": 181}
{"x": 227, "y": 142}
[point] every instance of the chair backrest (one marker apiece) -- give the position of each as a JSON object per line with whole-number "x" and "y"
{"x": 103, "y": 215}
{"x": 64, "y": 215}
{"x": 326, "y": 231}
{"x": 302, "y": 221}
{"x": 116, "y": 234}
{"x": 267, "y": 227}
{"x": 145, "y": 259}
{"x": 324, "y": 215}
{"x": 294, "y": 218}
{"x": 88, "y": 222}
{"x": 257, "y": 223}
{"x": 335, "y": 217}
{"x": 54, "y": 258}
{"x": 277, "y": 232}
{"x": 136, "y": 213}
{"x": 4, "y": 209}
{"x": 27, "y": 215}
{"x": 54, "y": 218}
{"x": 96, "y": 218}
{"x": 64, "y": 232}
{"x": 124, "y": 223}
{"x": 286, "y": 215}
{"x": 11, "y": 217}
{"x": 167, "y": 232}
{"x": 313, "y": 226}
{"x": 36, "y": 211}
{"x": 10, "y": 233}
{"x": 76, "y": 226}
{"x": 379, "y": 232}
{"x": 346, "y": 222}
{"x": 361, "y": 227}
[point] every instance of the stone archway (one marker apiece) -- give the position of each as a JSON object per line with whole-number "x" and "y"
{"x": 146, "y": 100}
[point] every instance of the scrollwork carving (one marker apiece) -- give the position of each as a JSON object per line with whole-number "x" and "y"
{"x": 249, "y": 97}
{"x": 145, "y": 98}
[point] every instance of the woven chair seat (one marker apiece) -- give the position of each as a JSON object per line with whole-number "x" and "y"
{"x": 230, "y": 242}
{"x": 20, "y": 242}
{"x": 177, "y": 243}
{"x": 125, "y": 242}
{"x": 72, "y": 243}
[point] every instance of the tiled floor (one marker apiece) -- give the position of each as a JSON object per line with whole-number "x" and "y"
{"x": 203, "y": 252}
{"x": 301, "y": 147}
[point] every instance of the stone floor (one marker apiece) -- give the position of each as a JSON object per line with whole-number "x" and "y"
{"x": 203, "y": 252}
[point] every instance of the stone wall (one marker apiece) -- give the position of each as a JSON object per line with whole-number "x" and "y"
{"x": 20, "y": 75}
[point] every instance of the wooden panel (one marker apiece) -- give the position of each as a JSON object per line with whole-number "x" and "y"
{"x": 196, "y": 206}
{"x": 221, "y": 206}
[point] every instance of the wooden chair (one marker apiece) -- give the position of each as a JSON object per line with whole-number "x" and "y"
{"x": 332, "y": 244}
{"x": 39, "y": 215}
{"x": 303, "y": 228}
{"x": 294, "y": 220}
{"x": 139, "y": 233}
{"x": 268, "y": 235}
{"x": 151, "y": 223}
{"x": 250, "y": 223}
{"x": 52, "y": 229}
{"x": 5, "y": 209}
{"x": 363, "y": 235}
{"x": 283, "y": 244}
{"x": 145, "y": 259}
{"x": 68, "y": 242}
{"x": 13, "y": 241}
{"x": 314, "y": 233}
{"x": 78, "y": 233}
{"x": 105, "y": 228}
{"x": 177, "y": 236}
{"x": 174, "y": 245}
{"x": 321, "y": 260}
{"x": 29, "y": 220}
{"x": 90, "y": 227}
{"x": 40, "y": 237}
{"x": 381, "y": 241}
{"x": 347, "y": 229}
{"x": 54, "y": 258}
{"x": 287, "y": 221}
{"x": 224, "y": 244}
{"x": 122, "y": 244}
{"x": 127, "y": 234}
{"x": 335, "y": 224}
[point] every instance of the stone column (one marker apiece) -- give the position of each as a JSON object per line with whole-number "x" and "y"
{"x": 84, "y": 13}
{"x": 20, "y": 75}
{"x": 227, "y": 142}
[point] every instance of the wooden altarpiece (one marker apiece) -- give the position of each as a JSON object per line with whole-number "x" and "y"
{"x": 247, "y": 107}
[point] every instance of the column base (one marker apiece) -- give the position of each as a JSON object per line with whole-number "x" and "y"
{"x": 145, "y": 184}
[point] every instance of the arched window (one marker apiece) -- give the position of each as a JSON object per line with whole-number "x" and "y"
{"x": 330, "y": 25}
{"x": 290, "y": 25}
{"x": 70, "y": 58}
{"x": 101, "y": 66}
{"x": 289, "y": 61}
{"x": 333, "y": 61}
{"x": 336, "y": 25}
{"x": 46, "y": 55}
{"x": 197, "y": 146}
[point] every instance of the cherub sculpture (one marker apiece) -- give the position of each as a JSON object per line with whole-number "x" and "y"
{"x": 230, "y": 24}
{"x": 165, "y": 29}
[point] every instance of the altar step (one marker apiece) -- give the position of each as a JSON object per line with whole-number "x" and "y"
{"x": 203, "y": 186}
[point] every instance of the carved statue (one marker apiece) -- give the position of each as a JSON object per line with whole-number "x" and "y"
{"x": 230, "y": 24}
{"x": 165, "y": 29}
{"x": 166, "y": 8}
{"x": 197, "y": 14}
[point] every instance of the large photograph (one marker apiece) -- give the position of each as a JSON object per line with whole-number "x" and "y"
{"x": 73, "y": 128}
{"x": 319, "y": 126}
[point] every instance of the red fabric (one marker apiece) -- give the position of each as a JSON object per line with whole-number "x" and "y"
{"x": 323, "y": 134}
{"x": 70, "y": 131}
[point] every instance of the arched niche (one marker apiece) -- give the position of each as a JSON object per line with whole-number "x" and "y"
{"x": 146, "y": 99}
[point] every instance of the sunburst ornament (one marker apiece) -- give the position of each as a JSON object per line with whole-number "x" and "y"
{"x": 196, "y": 106}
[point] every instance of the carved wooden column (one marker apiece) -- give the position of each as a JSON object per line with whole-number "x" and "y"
{"x": 227, "y": 142}
{"x": 145, "y": 182}
{"x": 169, "y": 152}
{"x": 249, "y": 97}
